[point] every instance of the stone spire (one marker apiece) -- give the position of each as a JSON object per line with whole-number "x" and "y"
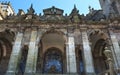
{"x": 74, "y": 15}
{"x": 30, "y": 10}
{"x": 74, "y": 11}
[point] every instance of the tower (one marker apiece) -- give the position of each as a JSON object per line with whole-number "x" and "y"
{"x": 105, "y": 5}
{"x": 110, "y": 7}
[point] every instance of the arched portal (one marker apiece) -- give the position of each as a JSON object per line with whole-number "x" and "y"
{"x": 98, "y": 41}
{"x": 53, "y": 61}
{"x": 99, "y": 57}
{"x": 52, "y": 44}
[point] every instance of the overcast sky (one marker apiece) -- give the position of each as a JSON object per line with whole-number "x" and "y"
{"x": 66, "y": 5}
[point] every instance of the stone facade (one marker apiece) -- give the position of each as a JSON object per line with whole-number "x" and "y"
{"x": 6, "y": 10}
{"x": 59, "y": 44}
{"x": 110, "y": 7}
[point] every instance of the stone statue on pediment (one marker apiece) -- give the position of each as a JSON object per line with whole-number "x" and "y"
{"x": 30, "y": 10}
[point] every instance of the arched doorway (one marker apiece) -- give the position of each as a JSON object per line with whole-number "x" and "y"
{"x": 99, "y": 57}
{"x": 53, "y": 61}
{"x": 52, "y": 45}
{"x": 98, "y": 41}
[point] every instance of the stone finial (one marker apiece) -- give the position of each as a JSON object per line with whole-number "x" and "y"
{"x": 91, "y": 9}
{"x": 66, "y": 14}
{"x": 75, "y": 6}
{"x": 30, "y": 10}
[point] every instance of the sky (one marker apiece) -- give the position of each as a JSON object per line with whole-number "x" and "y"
{"x": 66, "y": 5}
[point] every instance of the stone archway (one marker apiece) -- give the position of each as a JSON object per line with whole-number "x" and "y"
{"x": 99, "y": 40}
{"x": 51, "y": 39}
{"x": 53, "y": 61}
{"x": 99, "y": 57}
{"x": 5, "y": 50}
{"x": 6, "y": 39}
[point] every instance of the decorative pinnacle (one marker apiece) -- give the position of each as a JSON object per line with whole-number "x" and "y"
{"x": 74, "y": 6}
{"x": 31, "y": 10}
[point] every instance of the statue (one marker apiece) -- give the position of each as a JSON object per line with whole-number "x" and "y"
{"x": 30, "y": 10}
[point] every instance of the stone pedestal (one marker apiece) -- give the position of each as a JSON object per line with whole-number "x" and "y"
{"x": 87, "y": 55}
{"x": 71, "y": 58}
{"x": 15, "y": 55}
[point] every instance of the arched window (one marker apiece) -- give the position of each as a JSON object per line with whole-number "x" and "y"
{"x": 53, "y": 63}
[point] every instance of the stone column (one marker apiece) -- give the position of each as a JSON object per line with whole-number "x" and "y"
{"x": 116, "y": 48}
{"x": 40, "y": 32}
{"x": 15, "y": 55}
{"x": 32, "y": 54}
{"x": 87, "y": 54}
{"x": 71, "y": 58}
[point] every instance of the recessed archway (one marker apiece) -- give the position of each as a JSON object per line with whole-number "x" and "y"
{"x": 5, "y": 52}
{"x": 99, "y": 40}
{"x": 99, "y": 57}
{"x": 51, "y": 41}
{"x": 53, "y": 61}
{"x": 53, "y": 38}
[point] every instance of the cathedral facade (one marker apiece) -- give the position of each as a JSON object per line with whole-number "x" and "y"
{"x": 58, "y": 44}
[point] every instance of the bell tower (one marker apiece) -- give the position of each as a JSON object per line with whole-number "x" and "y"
{"x": 105, "y": 5}
{"x": 110, "y": 7}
